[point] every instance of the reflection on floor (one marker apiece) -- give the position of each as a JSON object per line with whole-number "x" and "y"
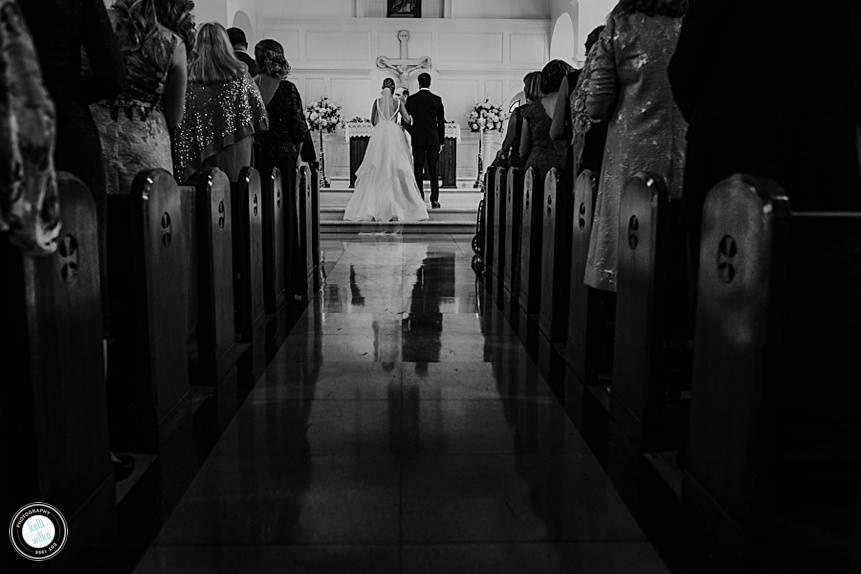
{"x": 399, "y": 429}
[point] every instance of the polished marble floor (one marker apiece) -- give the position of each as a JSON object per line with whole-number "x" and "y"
{"x": 400, "y": 428}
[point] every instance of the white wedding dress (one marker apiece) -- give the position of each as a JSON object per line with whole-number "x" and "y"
{"x": 386, "y": 187}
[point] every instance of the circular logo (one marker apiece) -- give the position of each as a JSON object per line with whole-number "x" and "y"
{"x": 38, "y": 531}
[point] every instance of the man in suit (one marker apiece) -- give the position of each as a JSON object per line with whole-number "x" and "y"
{"x": 240, "y": 49}
{"x": 428, "y": 132}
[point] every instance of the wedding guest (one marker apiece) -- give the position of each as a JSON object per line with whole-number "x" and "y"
{"x": 629, "y": 88}
{"x": 535, "y": 144}
{"x": 155, "y": 37}
{"x": 223, "y": 109}
{"x": 747, "y": 117}
{"x": 280, "y": 146}
{"x": 61, "y": 30}
{"x": 509, "y": 153}
{"x": 561, "y": 128}
{"x": 29, "y": 208}
{"x": 240, "y": 49}
{"x": 588, "y": 135}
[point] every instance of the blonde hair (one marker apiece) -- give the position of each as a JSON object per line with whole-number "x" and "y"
{"x": 213, "y": 61}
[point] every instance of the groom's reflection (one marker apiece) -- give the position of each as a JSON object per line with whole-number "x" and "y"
{"x": 422, "y": 326}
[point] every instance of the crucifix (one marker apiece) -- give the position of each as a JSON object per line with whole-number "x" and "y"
{"x": 403, "y": 66}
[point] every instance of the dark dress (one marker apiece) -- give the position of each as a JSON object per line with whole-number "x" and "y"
{"x": 544, "y": 153}
{"x": 60, "y": 28}
{"x": 754, "y": 115}
{"x": 279, "y": 147}
{"x": 248, "y": 61}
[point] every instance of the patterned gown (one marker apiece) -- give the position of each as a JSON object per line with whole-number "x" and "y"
{"x": 628, "y": 85}
{"x": 544, "y": 153}
{"x": 132, "y": 126}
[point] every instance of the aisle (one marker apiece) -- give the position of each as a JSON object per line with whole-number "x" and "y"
{"x": 398, "y": 430}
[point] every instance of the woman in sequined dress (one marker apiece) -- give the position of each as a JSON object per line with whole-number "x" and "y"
{"x": 281, "y": 145}
{"x": 628, "y": 86}
{"x": 223, "y": 109}
{"x": 154, "y": 37}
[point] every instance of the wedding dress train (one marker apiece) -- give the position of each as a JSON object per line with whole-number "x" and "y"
{"x": 386, "y": 187}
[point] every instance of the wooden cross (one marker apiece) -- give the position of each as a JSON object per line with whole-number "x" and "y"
{"x": 403, "y": 66}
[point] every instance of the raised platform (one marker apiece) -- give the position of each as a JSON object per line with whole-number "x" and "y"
{"x": 457, "y": 214}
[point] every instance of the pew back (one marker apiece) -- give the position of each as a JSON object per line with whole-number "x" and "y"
{"x": 247, "y": 197}
{"x": 276, "y": 259}
{"x": 513, "y": 201}
{"x": 496, "y": 253}
{"x": 555, "y": 257}
{"x": 529, "y": 286}
{"x": 585, "y": 190}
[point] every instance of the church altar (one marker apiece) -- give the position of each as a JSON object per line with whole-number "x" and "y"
{"x": 357, "y": 134}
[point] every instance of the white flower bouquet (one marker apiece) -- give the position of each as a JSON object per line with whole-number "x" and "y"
{"x": 487, "y": 117}
{"x": 323, "y": 115}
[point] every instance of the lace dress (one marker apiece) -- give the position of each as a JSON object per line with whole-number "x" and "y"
{"x": 628, "y": 85}
{"x": 132, "y": 126}
{"x": 386, "y": 186}
{"x": 544, "y": 153}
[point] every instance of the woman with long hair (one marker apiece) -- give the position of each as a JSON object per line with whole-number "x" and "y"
{"x": 223, "y": 109}
{"x": 629, "y": 88}
{"x": 536, "y": 147}
{"x": 155, "y": 37}
{"x": 281, "y": 145}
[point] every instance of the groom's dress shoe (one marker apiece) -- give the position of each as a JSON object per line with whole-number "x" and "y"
{"x": 435, "y": 205}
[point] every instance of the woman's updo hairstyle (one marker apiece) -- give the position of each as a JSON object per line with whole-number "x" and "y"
{"x": 270, "y": 59}
{"x": 390, "y": 84}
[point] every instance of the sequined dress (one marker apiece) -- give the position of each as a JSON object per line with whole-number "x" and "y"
{"x": 216, "y": 117}
{"x": 628, "y": 85}
{"x": 132, "y": 126}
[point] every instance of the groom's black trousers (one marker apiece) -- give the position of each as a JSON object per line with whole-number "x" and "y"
{"x": 429, "y": 153}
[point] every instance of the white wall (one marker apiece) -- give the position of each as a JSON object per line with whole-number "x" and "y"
{"x": 500, "y": 9}
{"x": 592, "y": 13}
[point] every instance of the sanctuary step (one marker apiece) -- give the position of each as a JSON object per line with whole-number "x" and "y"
{"x": 457, "y": 215}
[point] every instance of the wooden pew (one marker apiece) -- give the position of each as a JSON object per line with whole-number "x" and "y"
{"x": 53, "y": 397}
{"x": 489, "y": 215}
{"x": 293, "y": 249}
{"x": 555, "y": 274}
{"x": 497, "y": 251}
{"x": 583, "y": 339}
{"x": 148, "y": 291}
{"x": 651, "y": 377}
{"x": 276, "y": 259}
{"x": 248, "y": 255}
{"x": 207, "y": 204}
{"x": 314, "y": 178}
{"x": 511, "y": 265}
{"x": 306, "y": 237}
{"x": 775, "y": 431}
{"x": 529, "y": 276}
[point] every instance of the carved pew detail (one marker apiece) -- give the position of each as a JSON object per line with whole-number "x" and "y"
{"x": 511, "y": 236}
{"x": 248, "y": 257}
{"x": 53, "y": 390}
{"x": 529, "y": 275}
{"x": 497, "y": 250}
{"x": 276, "y": 260}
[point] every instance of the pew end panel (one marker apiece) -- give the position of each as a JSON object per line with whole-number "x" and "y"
{"x": 555, "y": 258}
{"x": 511, "y": 238}
{"x": 496, "y": 252}
{"x": 161, "y": 290}
{"x": 774, "y": 448}
{"x": 316, "y": 251}
{"x": 52, "y": 363}
{"x": 277, "y": 258}
{"x": 248, "y": 262}
{"x": 306, "y": 237}
{"x": 529, "y": 276}
{"x": 216, "y": 334}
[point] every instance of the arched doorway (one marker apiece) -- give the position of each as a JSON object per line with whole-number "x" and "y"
{"x": 562, "y": 42}
{"x": 243, "y": 22}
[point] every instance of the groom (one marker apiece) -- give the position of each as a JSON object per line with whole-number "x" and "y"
{"x": 428, "y": 132}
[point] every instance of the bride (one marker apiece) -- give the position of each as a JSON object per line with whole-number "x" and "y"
{"x": 386, "y": 187}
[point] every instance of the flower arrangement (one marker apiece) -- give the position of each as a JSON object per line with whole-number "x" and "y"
{"x": 487, "y": 117}
{"x": 323, "y": 115}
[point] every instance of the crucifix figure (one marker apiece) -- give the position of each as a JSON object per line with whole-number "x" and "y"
{"x": 403, "y": 66}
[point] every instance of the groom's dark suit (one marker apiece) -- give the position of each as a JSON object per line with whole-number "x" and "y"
{"x": 428, "y": 132}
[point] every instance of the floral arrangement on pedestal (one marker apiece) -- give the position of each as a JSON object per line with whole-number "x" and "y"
{"x": 486, "y": 117}
{"x": 323, "y": 115}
